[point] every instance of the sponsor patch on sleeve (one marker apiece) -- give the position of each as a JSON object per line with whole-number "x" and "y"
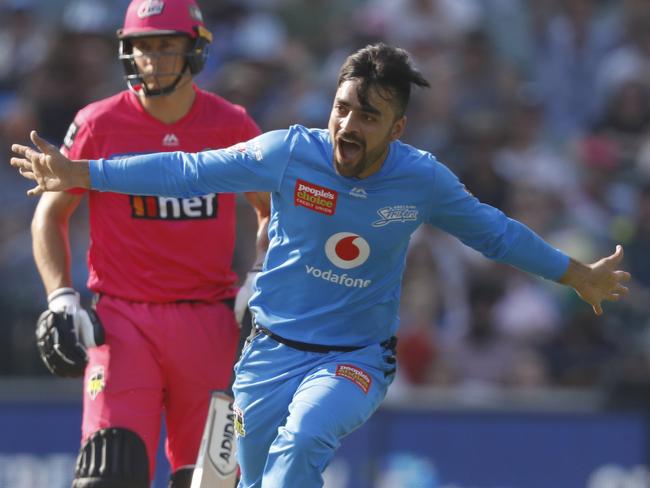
{"x": 315, "y": 197}
{"x": 358, "y": 376}
{"x": 249, "y": 148}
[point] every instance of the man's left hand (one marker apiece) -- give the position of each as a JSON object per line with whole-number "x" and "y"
{"x": 599, "y": 281}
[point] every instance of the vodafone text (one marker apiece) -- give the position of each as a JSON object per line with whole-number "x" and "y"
{"x": 343, "y": 279}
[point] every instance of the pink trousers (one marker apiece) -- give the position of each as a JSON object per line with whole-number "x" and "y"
{"x": 158, "y": 358}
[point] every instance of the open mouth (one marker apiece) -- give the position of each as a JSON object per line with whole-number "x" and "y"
{"x": 349, "y": 149}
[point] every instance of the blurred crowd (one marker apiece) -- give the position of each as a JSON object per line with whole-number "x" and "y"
{"x": 542, "y": 107}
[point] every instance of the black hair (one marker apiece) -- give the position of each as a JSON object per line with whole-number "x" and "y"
{"x": 387, "y": 68}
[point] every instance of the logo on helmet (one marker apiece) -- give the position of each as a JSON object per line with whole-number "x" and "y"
{"x": 196, "y": 14}
{"x": 150, "y": 8}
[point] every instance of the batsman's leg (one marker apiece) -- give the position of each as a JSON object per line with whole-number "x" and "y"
{"x": 181, "y": 478}
{"x": 112, "y": 458}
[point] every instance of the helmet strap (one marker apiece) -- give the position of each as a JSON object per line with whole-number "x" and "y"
{"x": 137, "y": 85}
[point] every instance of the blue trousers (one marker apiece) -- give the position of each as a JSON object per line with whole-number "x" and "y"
{"x": 293, "y": 408}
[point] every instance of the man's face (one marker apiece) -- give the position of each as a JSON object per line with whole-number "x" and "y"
{"x": 160, "y": 59}
{"x": 361, "y": 133}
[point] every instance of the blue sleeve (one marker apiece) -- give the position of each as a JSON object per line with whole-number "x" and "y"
{"x": 255, "y": 165}
{"x": 487, "y": 230}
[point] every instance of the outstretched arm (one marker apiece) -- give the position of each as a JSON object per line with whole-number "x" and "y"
{"x": 255, "y": 165}
{"x": 506, "y": 240}
{"x": 598, "y": 281}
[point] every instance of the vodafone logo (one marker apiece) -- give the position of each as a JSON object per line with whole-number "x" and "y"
{"x": 347, "y": 250}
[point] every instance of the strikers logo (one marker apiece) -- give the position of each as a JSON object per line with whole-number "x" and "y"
{"x": 96, "y": 382}
{"x": 240, "y": 428}
{"x": 356, "y": 375}
{"x": 347, "y": 250}
{"x": 396, "y": 213}
{"x": 314, "y": 197}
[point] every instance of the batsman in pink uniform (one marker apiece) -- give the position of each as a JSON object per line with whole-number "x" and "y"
{"x": 161, "y": 268}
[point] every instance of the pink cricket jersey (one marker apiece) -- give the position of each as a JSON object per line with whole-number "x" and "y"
{"x": 154, "y": 249}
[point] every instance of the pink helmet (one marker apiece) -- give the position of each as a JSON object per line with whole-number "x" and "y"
{"x": 159, "y": 18}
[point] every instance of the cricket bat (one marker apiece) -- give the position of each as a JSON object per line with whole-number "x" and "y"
{"x": 216, "y": 463}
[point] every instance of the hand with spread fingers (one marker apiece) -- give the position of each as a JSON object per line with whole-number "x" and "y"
{"x": 48, "y": 167}
{"x": 599, "y": 281}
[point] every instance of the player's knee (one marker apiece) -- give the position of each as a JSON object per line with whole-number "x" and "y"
{"x": 307, "y": 442}
{"x": 112, "y": 458}
{"x": 181, "y": 478}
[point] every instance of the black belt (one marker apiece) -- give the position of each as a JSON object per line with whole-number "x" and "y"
{"x": 306, "y": 346}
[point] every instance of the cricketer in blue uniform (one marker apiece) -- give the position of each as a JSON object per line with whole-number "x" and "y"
{"x": 345, "y": 202}
{"x": 332, "y": 274}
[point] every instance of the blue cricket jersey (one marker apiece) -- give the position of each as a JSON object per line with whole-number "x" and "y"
{"x": 333, "y": 270}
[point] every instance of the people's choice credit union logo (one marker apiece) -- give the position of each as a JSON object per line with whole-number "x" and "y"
{"x": 347, "y": 250}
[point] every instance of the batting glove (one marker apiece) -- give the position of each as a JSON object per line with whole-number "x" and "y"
{"x": 64, "y": 331}
{"x": 87, "y": 330}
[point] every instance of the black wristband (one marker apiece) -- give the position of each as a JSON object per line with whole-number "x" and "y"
{"x": 61, "y": 292}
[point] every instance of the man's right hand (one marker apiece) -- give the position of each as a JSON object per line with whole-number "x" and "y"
{"x": 64, "y": 332}
{"x": 49, "y": 168}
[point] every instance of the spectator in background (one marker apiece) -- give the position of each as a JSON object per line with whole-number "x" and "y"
{"x": 594, "y": 207}
{"x": 413, "y": 22}
{"x": 321, "y": 25}
{"x": 485, "y": 357}
{"x": 630, "y": 61}
{"x": 518, "y": 31}
{"x": 526, "y": 158}
{"x": 625, "y": 121}
{"x": 421, "y": 310}
{"x": 480, "y": 94}
{"x": 639, "y": 244}
{"x": 23, "y": 43}
{"x": 577, "y": 39}
{"x": 580, "y": 355}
